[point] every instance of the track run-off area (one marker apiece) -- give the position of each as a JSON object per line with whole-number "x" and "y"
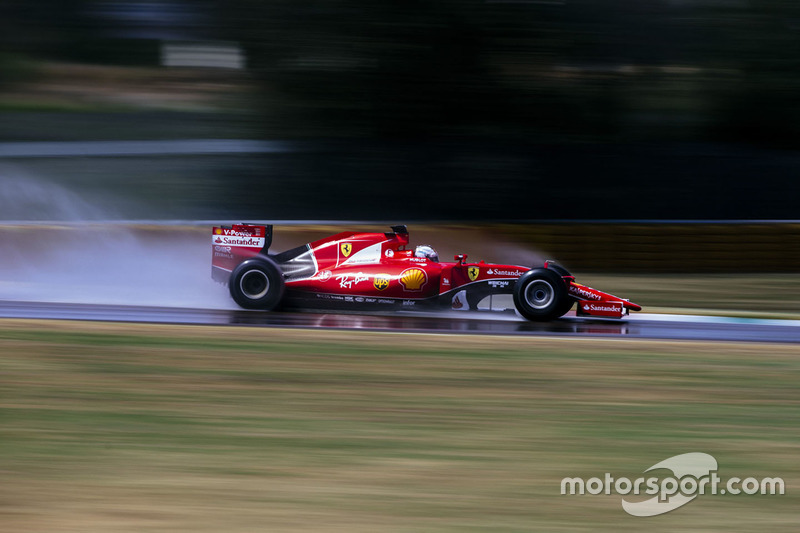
{"x": 637, "y": 326}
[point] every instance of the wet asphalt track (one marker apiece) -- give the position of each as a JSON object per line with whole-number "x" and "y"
{"x": 641, "y": 326}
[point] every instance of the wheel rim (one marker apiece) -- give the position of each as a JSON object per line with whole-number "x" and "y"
{"x": 539, "y": 294}
{"x": 254, "y": 284}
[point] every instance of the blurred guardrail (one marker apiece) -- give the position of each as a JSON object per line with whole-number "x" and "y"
{"x": 174, "y": 147}
{"x": 721, "y": 247}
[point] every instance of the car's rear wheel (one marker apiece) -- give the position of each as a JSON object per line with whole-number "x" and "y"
{"x": 257, "y": 284}
{"x": 541, "y": 294}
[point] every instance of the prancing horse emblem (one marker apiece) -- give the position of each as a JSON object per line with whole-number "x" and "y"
{"x": 473, "y": 273}
{"x": 346, "y": 248}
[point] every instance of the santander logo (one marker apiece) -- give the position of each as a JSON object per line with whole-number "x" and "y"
{"x": 601, "y": 307}
{"x": 250, "y": 242}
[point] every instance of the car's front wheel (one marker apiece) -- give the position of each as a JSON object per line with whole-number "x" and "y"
{"x": 541, "y": 294}
{"x": 568, "y": 302}
{"x": 257, "y": 284}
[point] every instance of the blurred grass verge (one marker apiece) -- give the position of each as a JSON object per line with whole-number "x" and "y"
{"x": 60, "y": 101}
{"x": 763, "y": 295}
{"x": 36, "y": 85}
{"x": 164, "y": 428}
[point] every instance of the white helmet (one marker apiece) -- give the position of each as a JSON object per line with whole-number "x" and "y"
{"x": 426, "y": 252}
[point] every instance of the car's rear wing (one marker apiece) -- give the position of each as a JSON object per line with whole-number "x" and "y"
{"x": 230, "y": 245}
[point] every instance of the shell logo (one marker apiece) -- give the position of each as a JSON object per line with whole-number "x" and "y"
{"x": 381, "y": 281}
{"x": 413, "y": 279}
{"x": 218, "y": 231}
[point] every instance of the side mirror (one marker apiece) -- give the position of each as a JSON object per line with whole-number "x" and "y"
{"x": 460, "y": 258}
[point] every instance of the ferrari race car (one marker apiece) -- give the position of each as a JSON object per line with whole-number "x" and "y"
{"x": 379, "y": 270}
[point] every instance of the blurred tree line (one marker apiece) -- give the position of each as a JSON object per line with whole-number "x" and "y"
{"x": 514, "y": 104}
{"x": 547, "y": 70}
{"x": 539, "y": 70}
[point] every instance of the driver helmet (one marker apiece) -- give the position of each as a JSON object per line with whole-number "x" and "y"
{"x": 426, "y": 252}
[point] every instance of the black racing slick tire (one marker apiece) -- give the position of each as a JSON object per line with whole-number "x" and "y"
{"x": 558, "y": 269}
{"x": 257, "y": 283}
{"x": 568, "y": 301}
{"x": 541, "y": 294}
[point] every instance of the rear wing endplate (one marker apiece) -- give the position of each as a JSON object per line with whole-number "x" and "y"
{"x": 230, "y": 245}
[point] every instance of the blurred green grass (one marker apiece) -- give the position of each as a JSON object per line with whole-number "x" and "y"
{"x": 134, "y": 427}
{"x": 755, "y": 295}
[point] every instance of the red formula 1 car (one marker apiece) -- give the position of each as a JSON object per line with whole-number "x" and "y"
{"x": 374, "y": 270}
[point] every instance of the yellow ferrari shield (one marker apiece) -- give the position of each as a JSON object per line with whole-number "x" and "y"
{"x": 473, "y": 273}
{"x": 346, "y": 248}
